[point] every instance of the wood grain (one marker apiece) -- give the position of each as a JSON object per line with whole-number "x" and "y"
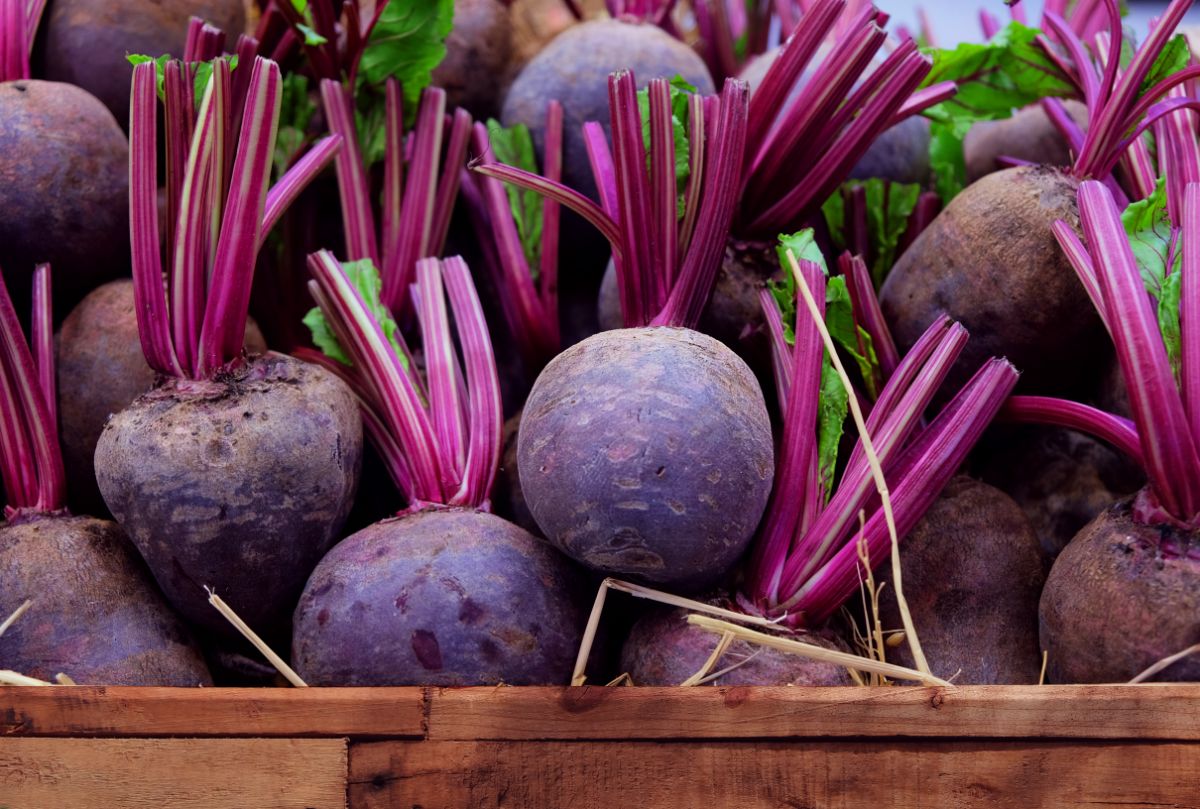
{"x": 175, "y": 773}
{"x": 237, "y": 712}
{"x": 773, "y": 775}
{"x": 1163, "y": 712}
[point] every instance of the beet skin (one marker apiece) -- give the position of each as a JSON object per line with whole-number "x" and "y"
{"x": 1029, "y": 135}
{"x": 663, "y": 649}
{"x": 440, "y": 597}
{"x": 86, "y": 42}
{"x": 646, "y": 453}
{"x": 101, "y": 369}
{"x": 96, "y": 615}
{"x": 241, "y": 484}
{"x": 64, "y": 189}
{"x": 972, "y": 575}
{"x": 990, "y": 261}
{"x": 1121, "y": 597}
{"x": 475, "y": 72}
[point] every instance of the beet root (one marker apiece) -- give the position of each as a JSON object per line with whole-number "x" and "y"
{"x": 475, "y": 71}
{"x": 990, "y": 261}
{"x": 64, "y": 189}
{"x": 1029, "y": 135}
{"x": 646, "y": 453}
{"x": 663, "y": 649}
{"x": 439, "y": 597}
{"x": 241, "y": 484}
{"x": 86, "y": 42}
{"x": 507, "y": 496}
{"x": 101, "y": 370}
{"x": 96, "y": 615}
{"x": 972, "y": 574}
{"x": 1121, "y": 597}
{"x": 574, "y": 69}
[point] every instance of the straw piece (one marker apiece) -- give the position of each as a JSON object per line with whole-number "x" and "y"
{"x": 849, "y": 661}
{"x": 9, "y": 677}
{"x": 872, "y": 459}
{"x": 717, "y": 653}
{"x": 1164, "y": 663}
{"x": 275, "y": 660}
{"x": 1045, "y": 660}
{"x": 64, "y": 679}
{"x": 17, "y": 613}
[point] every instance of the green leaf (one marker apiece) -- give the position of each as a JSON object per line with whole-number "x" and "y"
{"x": 370, "y": 122}
{"x": 366, "y": 280}
{"x": 831, "y": 422}
{"x": 834, "y": 211}
{"x": 295, "y": 117}
{"x": 311, "y": 37}
{"x": 514, "y": 146}
{"x": 804, "y": 246}
{"x": 407, "y": 43}
{"x": 680, "y": 90}
{"x": 1174, "y": 57}
{"x": 994, "y": 79}
{"x": 201, "y": 71}
{"x": 1150, "y": 235}
{"x": 839, "y": 319}
{"x": 889, "y": 206}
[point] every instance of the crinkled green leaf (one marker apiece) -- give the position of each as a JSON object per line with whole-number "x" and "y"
{"x": 311, "y": 37}
{"x": 201, "y": 71}
{"x": 370, "y": 122}
{"x": 839, "y": 319}
{"x": 407, "y": 43}
{"x": 831, "y": 422}
{"x": 514, "y": 146}
{"x": 296, "y": 112}
{"x": 1150, "y": 236}
{"x": 1174, "y": 57}
{"x": 889, "y": 206}
{"x": 680, "y": 90}
{"x": 365, "y": 278}
{"x": 804, "y": 246}
{"x": 994, "y": 79}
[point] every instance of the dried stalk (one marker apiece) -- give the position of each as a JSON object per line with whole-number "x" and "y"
{"x": 249, "y": 634}
{"x": 17, "y": 613}
{"x": 1164, "y": 663}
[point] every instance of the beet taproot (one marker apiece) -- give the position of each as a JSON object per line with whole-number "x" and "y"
{"x": 101, "y": 370}
{"x": 646, "y": 453}
{"x": 972, "y": 574}
{"x": 1120, "y": 597}
{"x": 64, "y": 189}
{"x": 1029, "y": 135}
{"x": 475, "y": 71}
{"x": 96, "y": 614}
{"x": 241, "y": 482}
{"x": 990, "y": 261}
{"x": 440, "y": 597}
{"x": 663, "y": 649}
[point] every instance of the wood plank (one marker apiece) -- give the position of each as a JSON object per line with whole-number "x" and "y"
{"x": 247, "y": 712}
{"x": 773, "y": 775}
{"x": 1164, "y": 712}
{"x": 176, "y": 773}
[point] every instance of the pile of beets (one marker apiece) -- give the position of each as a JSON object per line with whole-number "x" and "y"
{"x": 400, "y": 326}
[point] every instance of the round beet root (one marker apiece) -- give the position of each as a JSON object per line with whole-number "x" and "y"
{"x": 1121, "y": 597}
{"x": 86, "y": 42}
{"x": 439, "y": 597}
{"x": 574, "y": 69}
{"x": 535, "y": 24}
{"x": 96, "y": 615}
{"x": 646, "y": 453}
{"x": 101, "y": 369}
{"x": 241, "y": 484}
{"x": 507, "y": 497}
{"x": 1029, "y": 135}
{"x": 475, "y": 71}
{"x": 972, "y": 574}
{"x": 990, "y": 261}
{"x": 663, "y": 649}
{"x": 64, "y": 189}
{"x": 1061, "y": 479}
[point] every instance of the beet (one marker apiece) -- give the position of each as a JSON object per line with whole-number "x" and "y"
{"x": 972, "y": 574}
{"x": 573, "y": 69}
{"x": 101, "y": 369}
{"x": 96, "y": 615}
{"x": 1061, "y": 478}
{"x": 1121, "y": 597}
{"x": 439, "y": 597}
{"x": 663, "y": 649}
{"x": 507, "y": 496}
{"x": 990, "y": 261}
{"x": 1029, "y": 135}
{"x": 646, "y": 453}
{"x": 535, "y": 24}
{"x": 241, "y": 483}
{"x": 64, "y": 188}
{"x": 86, "y": 42}
{"x": 475, "y": 71}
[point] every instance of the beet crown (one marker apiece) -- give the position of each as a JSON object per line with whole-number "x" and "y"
{"x": 18, "y": 26}
{"x": 219, "y": 208}
{"x": 806, "y": 560}
{"x": 30, "y": 458}
{"x": 439, "y": 435}
{"x": 666, "y": 250}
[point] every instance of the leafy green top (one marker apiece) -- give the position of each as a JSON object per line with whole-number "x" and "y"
{"x": 889, "y": 206}
{"x": 514, "y": 146}
{"x": 407, "y": 43}
{"x": 366, "y": 280}
{"x": 201, "y": 71}
{"x": 1159, "y": 256}
{"x": 680, "y": 90}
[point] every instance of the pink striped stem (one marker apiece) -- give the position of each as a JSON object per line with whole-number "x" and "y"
{"x": 42, "y": 339}
{"x": 1189, "y": 308}
{"x": 447, "y": 409}
{"x": 296, "y": 179}
{"x": 551, "y": 220}
{"x": 358, "y": 220}
{"x": 1052, "y": 412}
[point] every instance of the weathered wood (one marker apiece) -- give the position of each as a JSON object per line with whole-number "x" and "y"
{"x": 176, "y": 773}
{"x": 1164, "y": 712}
{"x": 295, "y": 712}
{"x": 774, "y": 775}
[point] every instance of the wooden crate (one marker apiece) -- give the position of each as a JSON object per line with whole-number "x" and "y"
{"x": 577, "y": 748}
